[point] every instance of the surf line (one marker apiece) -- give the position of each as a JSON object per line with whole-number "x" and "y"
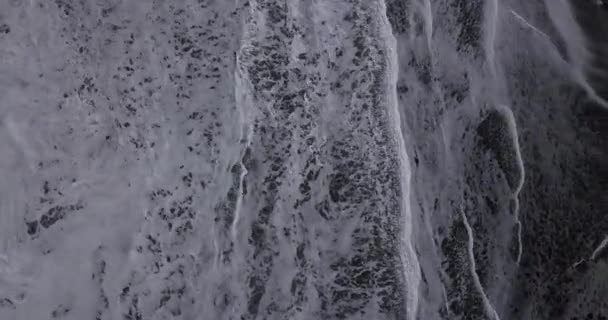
{"x": 490, "y": 311}
{"x": 411, "y": 266}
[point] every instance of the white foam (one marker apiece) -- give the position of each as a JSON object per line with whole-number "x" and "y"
{"x": 599, "y": 248}
{"x": 490, "y": 311}
{"x": 244, "y": 105}
{"x": 506, "y": 111}
{"x": 426, "y": 9}
{"x": 561, "y": 13}
{"x": 490, "y": 26}
{"x": 527, "y": 24}
{"x": 409, "y": 258}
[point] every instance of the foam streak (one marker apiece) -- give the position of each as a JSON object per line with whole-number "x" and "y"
{"x": 409, "y": 257}
{"x": 491, "y": 312}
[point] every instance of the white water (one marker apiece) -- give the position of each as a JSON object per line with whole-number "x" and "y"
{"x": 409, "y": 259}
{"x": 491, "y": 312}
{"x": 267, "y": 159}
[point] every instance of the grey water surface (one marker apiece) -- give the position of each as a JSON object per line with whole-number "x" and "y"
{"x": 303, "y": 159}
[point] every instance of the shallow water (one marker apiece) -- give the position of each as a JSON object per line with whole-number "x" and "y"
{"x": 305, "y": 159}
